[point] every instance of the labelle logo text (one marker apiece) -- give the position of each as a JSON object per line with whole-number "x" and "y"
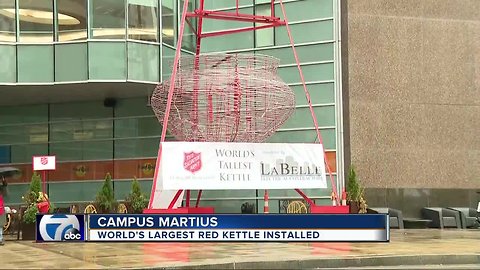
{"x": 192, "y": 161}
{"x": 60, "y": 228}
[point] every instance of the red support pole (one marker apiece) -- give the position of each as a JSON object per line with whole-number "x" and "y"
{"x": 169, "y": 101}
{"x": 231, "y": 16}
{"x": 200, "y": 28}
{"x": 272, "y": 8}
{"x": 198, "y": 198}
{"x": 266, "y": 208}
{"x": 175, "y": 199}
{"x": 239, "y": 30}
{"x": 309, "y": 201}
{"x": 196, "y": 64}
{"x": 307, "y": 94}
{"x": 187, "y": 202}
{"x": 44, "y": 182}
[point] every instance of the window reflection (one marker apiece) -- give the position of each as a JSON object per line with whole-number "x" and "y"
{"x": 81, "y": 130}
{"x": 15, "y": 134}
{"x": 189, "y": 37}
{"x": 7, "y": 20}
{"x": 168, "y": 22}
{"x": 72, "y": 19}
{"x": 264, "y": 37}
{"x": 36, "y": 20}
{"x": 143, "y": 20}
{"x": 108, "y": 19}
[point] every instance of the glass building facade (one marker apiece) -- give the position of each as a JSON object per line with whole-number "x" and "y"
{"x": 75, "y": 77}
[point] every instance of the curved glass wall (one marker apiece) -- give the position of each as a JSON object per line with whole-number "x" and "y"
{"x": 62, "y": 41}
{"x": 7, "y": 21}
{"x": 47, "y": 21}
{"x": 35, "y": 21}
{"x": 143, "y": 20}
{"x": 71, "y": 20}
{"x": 107, "y": 19}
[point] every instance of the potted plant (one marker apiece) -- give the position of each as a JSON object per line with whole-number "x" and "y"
{"x": 248, "y": 208}
{"x": 29, "y": 216}
{"x": 355, "y": 194}
{"x": 105, "y": 200}
{"x": 136, "y": 201}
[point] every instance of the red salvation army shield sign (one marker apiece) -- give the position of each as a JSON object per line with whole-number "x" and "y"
{"x": 192, "y": 161}
{"x": 44, "y": 160}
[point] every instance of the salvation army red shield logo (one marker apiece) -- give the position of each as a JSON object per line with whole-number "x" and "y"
{"x": 192, "y": 161}
{"x": 44, "y": 160}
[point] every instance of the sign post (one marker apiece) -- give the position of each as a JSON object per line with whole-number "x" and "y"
{"x": 44, "y": 164}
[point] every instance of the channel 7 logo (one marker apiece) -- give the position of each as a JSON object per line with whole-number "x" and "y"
{"x": 60, "y": 227}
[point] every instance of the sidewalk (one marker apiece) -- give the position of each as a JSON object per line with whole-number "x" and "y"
{"x": 407, "y": 247}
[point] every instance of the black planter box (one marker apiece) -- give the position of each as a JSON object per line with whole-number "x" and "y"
{"x": 28, "y": 231}
{"x": 354, "y": 207}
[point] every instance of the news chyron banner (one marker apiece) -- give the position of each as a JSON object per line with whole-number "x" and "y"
{"x": 214, "y": 228}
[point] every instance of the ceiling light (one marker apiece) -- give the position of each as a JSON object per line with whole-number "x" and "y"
{"x": 39, "y": 16}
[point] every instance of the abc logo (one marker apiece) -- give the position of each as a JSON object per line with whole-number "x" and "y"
{"x": 72, "y": 234}
{"x": 60, "y": 228}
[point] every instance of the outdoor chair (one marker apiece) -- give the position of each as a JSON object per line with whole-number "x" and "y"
{"x": 395, "y": 216}
{"x": 442, "y": 217}
{"x": 468, "y": 217}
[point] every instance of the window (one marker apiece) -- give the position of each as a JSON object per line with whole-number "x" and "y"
{"x": 36, "y": 20}
{"x": 143, "y": 20}
{"x": 264, "y": 37}
{"x": 189, "y": 38}
{"x": 108, "y": 19}
{"x": 168, "y": 22}
{"x": 7, "y": 20}
{"x": 81, "y": 131}
{"x": 72, "y": 19}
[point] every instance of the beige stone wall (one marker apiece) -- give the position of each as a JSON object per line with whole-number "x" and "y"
{"x": 414, "y": 90}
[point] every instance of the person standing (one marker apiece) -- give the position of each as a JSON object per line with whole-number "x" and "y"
{"x": 3, "y": 216}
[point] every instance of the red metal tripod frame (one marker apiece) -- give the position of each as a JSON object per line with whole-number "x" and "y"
{"x": 266, "y": 21}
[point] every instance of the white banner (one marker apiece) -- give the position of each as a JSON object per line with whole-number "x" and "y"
{"x": 217, "y": 166}
{"x": 253, "y": 235}
{"x": 43, "y": 163}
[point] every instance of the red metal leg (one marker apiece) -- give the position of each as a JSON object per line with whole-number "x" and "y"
{"x": 169, "y": 101}
{"x": 272, "y": 8}
{"x": 200, "y": 28}
{"x": 197, "y": 52}
{"x": 175, "y": 199}
{"x": 309, "y": 201}
{"x": 44, "y": 182}
{"x": 238, "y": 30}
{"x": 232, "y": 16}
{"x": 307, "y": 94}
{"x": 198, "y": 198}
{"x": 187, "y": 203}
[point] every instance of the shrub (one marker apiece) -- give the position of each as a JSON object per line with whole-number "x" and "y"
{"x": 30, "y": 214}
{"x": 31, "y": 198}
{"x": 105, "y": 198}
{"x": 354, "y": 190}
{"x": 136, "y": 199}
